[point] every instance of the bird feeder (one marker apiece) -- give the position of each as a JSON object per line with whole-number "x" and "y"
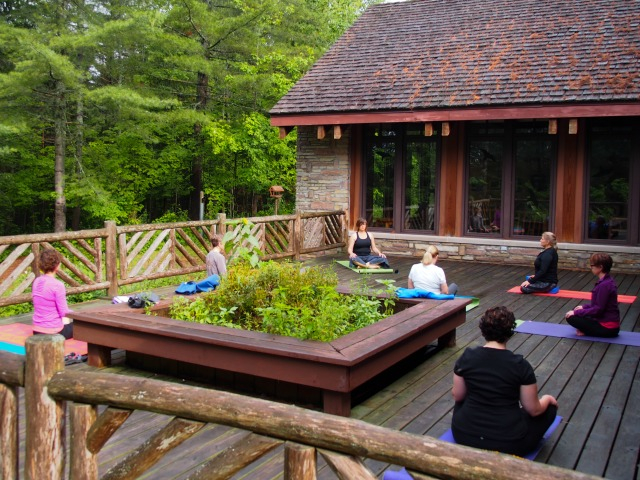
{"x": 276, "y": 192}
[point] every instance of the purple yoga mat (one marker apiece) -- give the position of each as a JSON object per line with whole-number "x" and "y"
{"x": 567, "y": 331}
{"x": 448, "y": 437}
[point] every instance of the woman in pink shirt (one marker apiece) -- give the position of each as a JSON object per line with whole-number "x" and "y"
{"x": 49, "y": 298}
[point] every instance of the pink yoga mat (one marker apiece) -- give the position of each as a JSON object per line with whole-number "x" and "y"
{"x": 17, "y": 333}
{"x": 574, "y": 294}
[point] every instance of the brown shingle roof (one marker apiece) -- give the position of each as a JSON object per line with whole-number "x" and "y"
{"x": 429, "y": 54}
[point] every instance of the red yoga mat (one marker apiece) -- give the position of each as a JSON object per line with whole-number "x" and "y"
{"x": 574, "y": 294}
{"x": 17, "y": 333}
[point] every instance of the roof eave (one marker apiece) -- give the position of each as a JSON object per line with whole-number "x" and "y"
{"x": 613, "y": 109}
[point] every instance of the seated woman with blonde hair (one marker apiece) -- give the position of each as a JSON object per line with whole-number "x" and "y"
{"x": 545, "y": 277}
{"x": 427, "y": 276}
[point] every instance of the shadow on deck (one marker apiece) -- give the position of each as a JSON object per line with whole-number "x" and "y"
{"x": 597, "y": 384}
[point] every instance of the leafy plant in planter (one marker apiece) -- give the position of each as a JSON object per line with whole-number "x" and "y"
{"x": 240, "y": 243}
{"x": 281, "y": 298}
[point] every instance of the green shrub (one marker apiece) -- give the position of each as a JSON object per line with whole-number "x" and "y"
{"x": 281, "y": 298}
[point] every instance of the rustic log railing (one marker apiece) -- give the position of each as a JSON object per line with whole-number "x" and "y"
{"x": 108, "y": 258}
{"x": 343, "y": 442}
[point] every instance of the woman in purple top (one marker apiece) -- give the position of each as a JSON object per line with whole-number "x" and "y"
{"x": 49, "y": 298}
{"x": 601, "y": 317}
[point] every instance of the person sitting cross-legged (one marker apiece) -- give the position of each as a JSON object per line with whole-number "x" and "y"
{"x": 361, "y": 246}
{"x": 600, "y": 317}
{"x": 497, "y": 405}
{"x": 427, "y": 276}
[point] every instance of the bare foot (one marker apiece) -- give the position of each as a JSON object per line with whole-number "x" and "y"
{"x": 372, "y": 266}
{"x": 579, "y": 333}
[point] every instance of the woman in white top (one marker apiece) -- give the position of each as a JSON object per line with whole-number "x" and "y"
{"x": 428, "y": 276}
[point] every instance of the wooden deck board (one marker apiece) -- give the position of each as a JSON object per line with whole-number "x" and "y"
{"x": 597, "y": 384}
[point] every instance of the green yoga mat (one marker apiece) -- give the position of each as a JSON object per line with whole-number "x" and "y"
{"x": 475, "y": 301}
{"x": 345, "y": 264}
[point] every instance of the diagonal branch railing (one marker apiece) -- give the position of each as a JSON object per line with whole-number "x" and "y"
{"x": 111, "y": 257}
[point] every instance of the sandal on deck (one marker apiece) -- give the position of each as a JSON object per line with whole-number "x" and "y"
{"x": 73, "y": 358}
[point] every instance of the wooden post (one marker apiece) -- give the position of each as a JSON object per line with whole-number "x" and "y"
{"x": 83, "y": 463}
{"x": 345, "y": 228}
{"x": 111, "y": 258}
{"x": 222, "y": 219}
{"x": 298, "y": 233}
{"x": 299, "y": 462}
{"x": 9, "y": 439}
{"x": 44, "y": 438}
{"x": 35, "y": 265}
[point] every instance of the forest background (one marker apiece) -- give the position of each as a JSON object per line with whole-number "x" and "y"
{"x": 126, "y": 110}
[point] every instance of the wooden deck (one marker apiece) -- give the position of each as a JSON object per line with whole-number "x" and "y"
{"x": 597, "y": 384}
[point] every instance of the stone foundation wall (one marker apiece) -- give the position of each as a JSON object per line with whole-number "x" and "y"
{"x": 323, "y": 171}
{"x": 506, "y": 252}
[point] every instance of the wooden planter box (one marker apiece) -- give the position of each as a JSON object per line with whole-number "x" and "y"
{"x": 302, "y": 371}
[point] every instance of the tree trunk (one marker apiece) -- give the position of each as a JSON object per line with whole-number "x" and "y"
{"x": 60, "y": 220}
{"x": 202, "y": 99}
{"x": 75, "y": 219}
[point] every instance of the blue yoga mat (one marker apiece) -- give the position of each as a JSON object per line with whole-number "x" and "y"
{"x": 11, "y": 348}
{"x": 448, "y": 437}
{"x": 567, "y": 331}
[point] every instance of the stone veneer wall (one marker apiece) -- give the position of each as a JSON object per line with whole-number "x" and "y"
{"x": 507, "y": 252}
{"x": 322, "y": 171}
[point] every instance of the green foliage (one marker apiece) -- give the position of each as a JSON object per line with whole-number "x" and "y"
{"x": 281, "y": 298}
{"x": 240, "y": 244}
{"x": 152, "y": 96}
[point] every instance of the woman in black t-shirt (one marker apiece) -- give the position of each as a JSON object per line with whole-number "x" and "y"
{"x": 545, "y": 277}
{"x": 490, "y": 383}
{"x": 361, "y": 248}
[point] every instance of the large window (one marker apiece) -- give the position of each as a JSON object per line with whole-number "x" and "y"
{"x": 612, "y": 203}
{"x": 509, "y": 178}
{"x": 393, "y": 200}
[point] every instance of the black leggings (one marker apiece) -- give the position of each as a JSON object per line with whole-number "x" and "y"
{"x": 538, "y": 287}
{"x": 591, "y": 327}
{"x": 66, "y": 332}
{"x": 537, "y": 428}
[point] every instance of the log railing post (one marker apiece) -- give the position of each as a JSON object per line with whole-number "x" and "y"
{"x": 345, "y": 228}
{"x": 299, "y": 462}
{"x": 222, "y": 228}
{"x": 298, "y": 240}
{"x": 44, "y": 438}
{"x": 9, "y": 439}
{"x": 83, "y": 464}
{"x": 111, "y": 259}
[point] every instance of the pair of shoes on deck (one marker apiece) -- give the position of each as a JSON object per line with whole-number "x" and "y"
{"x": 74, "y": 358}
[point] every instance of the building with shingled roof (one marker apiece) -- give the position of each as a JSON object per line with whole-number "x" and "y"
{"x": 477, "y": 126}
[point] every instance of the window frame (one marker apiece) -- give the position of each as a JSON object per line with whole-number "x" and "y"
{"x": 399, "y": 180}
{"x": 633, "y": 201}
{"x": 509, "y": 137}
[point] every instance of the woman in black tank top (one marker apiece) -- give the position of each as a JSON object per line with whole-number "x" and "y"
{"x": 362, "y": 247}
